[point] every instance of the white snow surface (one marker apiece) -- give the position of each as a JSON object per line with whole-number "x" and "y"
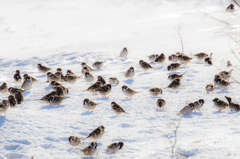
{"x": 62, "y": 33}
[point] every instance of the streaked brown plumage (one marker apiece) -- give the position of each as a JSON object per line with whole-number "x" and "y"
{"x": 184, "y": 59}
{"x": 225, "y": 75}
{"x": 52, "y": 77}
{"x": 71, "y": 78}
{"x": 12, "y": 101}
{"x": 84, "y": 64}
{"x": 155, "y": 91}
{"x": 65, "y": 90}
{"x": 43, "y": 69}
{"x": 102, "y": 80}
{"x": 130, "y": 73}
{"x": 104, "y": 90}
{"x": 12, "y": 90}
{"x": 74, "y": 140}
{"x": 98, "y": 64}
{"x": 4, "y": 106}
{"x": 230, "y": 8}
{"x": 160, "y": 59}
{"x": 201, "y": 56}
{"x": 198, "y": 104}
{"x": 32, "y": 78}
{"x": 187, "y": 110}
{"x": 174, "y": 76}
{"x": 3, "y": 88}
{"x": 173, "y": 67}
{"x": 222, "y": 84}
{"x": 60, "y": 75}
{"x": 220, "y": 104}
{"x": 97, "y": 133}
{"x": 90, "y": 150}
{"x": 27, "y": 83}
{"x": 128, "y": 91}
{"x": 56, "y": 100}
{"x": 161, "y": 103}
{"x": 17, "y": 77}
{"x": 117, "y": 108}
{"x": 19, "y": 97}
{"x": 173, "y": 58}
{"x": 94, "y": 87}
{"x": 113, "y": 80}
{"x": 209, "y": 88}
{"x": 152, "y": 57}
{"x": 234, "y": 107}
{"x": 89, "y": 105}
{"x": 175, "y": 84}
{"x": 144, "y": 66}
{"x": 115, "y": 147}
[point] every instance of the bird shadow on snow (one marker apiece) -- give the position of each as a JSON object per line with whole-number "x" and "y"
{"x": 52, "y": 107}
{"x": 41, "y": 76}
{"x": 86, "y": 113}
{"x": 159, "y": 68}
{"x": 144, "y": 74}
{"x": 187, "y": 116}
{"x": 130, "y": 81}
{"x": 103, "y": 98}
{"x": 2, "y": 120}
{"x": 197, "y": 113}
{"x": 127, "y": 99}
{"x": 218, "y": 112}
{"x": 26, "y": 93}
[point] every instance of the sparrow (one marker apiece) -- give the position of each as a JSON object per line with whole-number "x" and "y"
{"x": 208, "y": 60}
{"x": 198, "y": 104}
{"x": 89, "y": 105}
{"x": 65, "y": 90}
{"x": 174, "y": 76}
{"x": 59, "y": 69}
{"x": 184, "y": 59}
{"x": 90, "y": 150}
{"x": 160, "y": 59}
{"x": 128, "y": 91}
{"x": 230, "y": 8}
{"x": 43, "y": 69}
{"x": 27, "y": 83}
{"x": 209, "y": 88}
{"x": 173, "y": 58}
{"x": 173, "y": 67}
{"x": 129, "y": 74}
{"x": 58, "y": 92}
{"x": 60, "y": 75}
{"x": 187, "y": 110}
{"x": 55, "y": 100}
{"x": 97, "y": 133}
{"x": 12, "y": 101}
{"x": 70, "y": 72}
{"x": 71, "y": 78}
{"x": 155, "y": 91}
{"x": 52, "y": 77}
{"x": 113, "y": 80}
{"x": 115, "y": 147}
{"x": 161, "y": 103}
{"x": 94, "y": 87}
{"x": 85, "y": 69}
{"x": 145, "y": 66}
{"x": 17, "y": 77}
{"x": 3, "y": 88}
{"x": 104, "y": 90}
{"x": 74, "y": 140}
{"x": 220, "y": 104}
{"x": 4, "y": 106}
{"x": 55, "y": 83}
{"x": 98, "y": 64}
{"x": 32, "y": 78}
{"x": 88, "y": 77}
{"x": 175, "y": 84}
{"x": 215, "y": 80}
{"x": 84, "y": 64}
{"x": 102, "y": 80}
{"x": 225, "y": 75}
{"x": 19, "y": 97}
{"x": 152, "y": 57}
{"x": 12, "y": 90}
{"x": 124, "y": 53}
{"x": 234, "y": 107}
{"x": 229, "y": 63}
{"x": 117, "y": 108}
{"x": 222, "y": 84}
{"x": 201, "y": 56}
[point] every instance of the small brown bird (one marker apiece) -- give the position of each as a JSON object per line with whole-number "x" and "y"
{"x": 12, "y": 90}
{"x": 97, "y": 133}
{"x": 102, "y": 80}
{"x": 113, "y": 80}
{"x": 161, "y": 103}
{"x": 222, "y": 84}
{"x": 128, "y": 91}
{"x": 32, "y": 78}
{"x": 208, "y": 60}
{"x": 225, "y": 75}
{"x": 230, "y": 8}
{"x": 52, "y": 77}
{"x": 198, "y": 104}
{"x": 60, "y": 75}
{"x": 65, "y": 90}
{"x": 43, "y": 69}
{"x": 55, "y": 83}
{"x": 71, "y": 78}
{"x": 234, "y": 107}
{"x": 215, "y": 80}
{"x": 174, "y": 76}
{"x": 160, "y": 59}
{"x": 74, "y": 140}
{"x": 117, "y": 108}
{"x": 94, "y": 87}
{"x": 19, "y": 97}
{"x": 98, "y": 64}
{"x": 173, "y": 67}
{"x": 187, "y": 110}
{"x": 124, "y": 53}
{"x": 17, "y": 77}
{"x": 89, "y": 105}
{"x": 58, "y": 92}
{"x": 90, "y": 150}
{"x": 4, "y": 106}
{"x": 152, "y": 57}
{"x": 3, "y": 88}
{"x": 12, "y": 101}
{"x": 155, "y": 91}
{"x": 175, "y": 84}
{"x": 184, "y": 59}
{"x": 85, "y": 69}
{"x": 88, "y": 77}
{"x": 115, "y": 147}
{"x": 27, "y": 83}
{"x": 56, "y": 100}
{"x": 104, "y": 90}
{"x": 70, "y": 72}
{"x": 84, "y": 64}
{"x": 173, "y": 58}
{"x": 209, "y": 88}
{"x": 144, "y": 66}
{"x": 201, "y": 56}
{"x": 220, "y": 104}
{"x": 130, "y": 73}
{"x": 229, "y": 63}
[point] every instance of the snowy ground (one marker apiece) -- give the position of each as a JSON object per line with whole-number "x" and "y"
{"x": 66, "y": 33}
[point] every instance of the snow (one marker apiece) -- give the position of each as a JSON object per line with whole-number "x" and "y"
{"x": 66, "y": 33}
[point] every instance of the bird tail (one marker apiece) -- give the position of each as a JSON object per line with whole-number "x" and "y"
{"x": 117, "y": 82}
{"x": 232, "y": 82}
{"x": 84, "y": 90}
{"x": 127, "y": 113}
{"x": 228, "y": 99}
{"x": 184, "y": 73}
{"x": 178, "y": 114}
{"x": 230, "y": 70}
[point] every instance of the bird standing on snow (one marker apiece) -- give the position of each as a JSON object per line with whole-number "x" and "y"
{"x": 124, "y": 53}
{"x": 115, "y": 147}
